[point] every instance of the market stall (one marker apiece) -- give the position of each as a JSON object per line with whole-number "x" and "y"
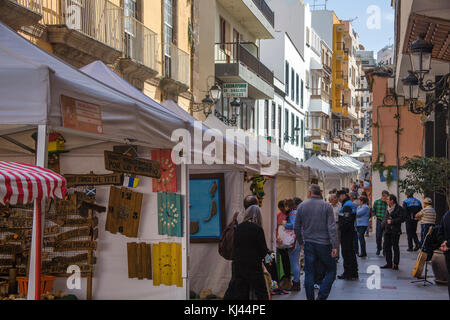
{"x": 114, "y": 226}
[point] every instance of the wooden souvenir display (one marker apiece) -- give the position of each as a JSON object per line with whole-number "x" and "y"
{"x": 167, "y": 264}
{"x": 168, "y": 180}
{"x": 121, "y": 163}
{"x": 139, "y": 260}
{"x": 169, "y": 214}
{"x": 124, "y": 212}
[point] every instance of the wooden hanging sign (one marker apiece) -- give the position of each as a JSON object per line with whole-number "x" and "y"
{"x": 7, "y": 262}
{"x": 74, "y": 259}
{"x": 20, "y": 271}
{"x": 26, "y": 234}
{"x": 74, "y": 180}
{"x": 67, "y": 206}
{"x": 62, "y": 268}
{"x": 10, "y": 249}
{"x": 121, "y": 163}
{"x": 82, "y": 232}
{"x": 75, "y": 246}
{"x": 80, "y": 222}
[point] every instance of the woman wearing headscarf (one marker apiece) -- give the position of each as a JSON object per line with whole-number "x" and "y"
{"x": 249, "y": 249}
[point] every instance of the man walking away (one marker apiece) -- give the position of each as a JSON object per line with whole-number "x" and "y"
{"x": 315, "y": 229}
{"x": 444, "y": 239}
{"x": 347, "y": 229}
{"x": 427, "y": 218}
{"x": 412, "y": 206}
{"x": 379, "y": 209}
{"x": 248, "y": 202}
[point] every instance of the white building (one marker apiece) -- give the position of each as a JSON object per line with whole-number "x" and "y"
{"x": 386, "y": 55}
{"x": 284, "y": 118}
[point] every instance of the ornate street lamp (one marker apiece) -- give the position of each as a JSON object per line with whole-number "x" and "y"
{"x": 213, "y": 95}
{"x": 420, "y": 52}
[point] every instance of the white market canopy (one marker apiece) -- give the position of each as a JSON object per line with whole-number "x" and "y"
{"x": 24, "y": 67}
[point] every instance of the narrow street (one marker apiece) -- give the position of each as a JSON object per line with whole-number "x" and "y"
{"x": 395, "y": 285}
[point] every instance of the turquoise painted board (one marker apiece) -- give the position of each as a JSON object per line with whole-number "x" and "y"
{"x": 170, "y": 216}
{"x": 206, "y": 207}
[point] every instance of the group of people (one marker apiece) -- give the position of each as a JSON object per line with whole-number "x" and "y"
{"x": 321, "y": 230}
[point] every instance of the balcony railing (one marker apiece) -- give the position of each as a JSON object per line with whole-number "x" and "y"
{"x": 234, "y": 52}
{"x": 33, "y": 5}
{"x": 341, "y": 75}
{"x": 176, "y": 64}
{"x": 340, "y": 46}
{"x": 266, "y": 11}
{"x": 141, "y": 43}
{"x": 98, "y": 19}
{"x": 317, "y": 93}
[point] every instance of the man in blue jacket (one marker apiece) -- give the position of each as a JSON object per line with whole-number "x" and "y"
{"x": 444, "y": 238}
{"x": 412, "y": 206}
{"x": 347, "y": 229}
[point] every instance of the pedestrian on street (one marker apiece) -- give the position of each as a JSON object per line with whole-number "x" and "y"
{"x": 392, "y": 223}
{"x": 336, "y": 205}
{"x": 347, "y": 229}
{"x": 249, "y": 248}
{"x": 354, "y": 198}
{"x": 427, "y": 218}
{"x": 379, "y": 209}
{"x": 315, "y": 229}
{"x": 412, "y": 206}
{"x": 444, "y": 238}
{"x": 282, "y": 216}
{"x": 249, "y": 201}
{"x": 294, "y": 253}
{"x": 362, "y": 224}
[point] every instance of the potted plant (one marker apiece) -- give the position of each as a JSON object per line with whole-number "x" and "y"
{"x": 427, "y": 176}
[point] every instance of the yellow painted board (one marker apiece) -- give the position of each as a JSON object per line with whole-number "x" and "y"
{"x": 167, "y": 264}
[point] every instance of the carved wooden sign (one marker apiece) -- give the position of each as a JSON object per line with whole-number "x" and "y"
{"x": 81, "y": 222}
{"x": 67, "y": 206}
{"x": 62, "y": 268}
{"x": 139, "y": 260}
{"x": 75, "y": 246}
{"x": 20, "y": 271}
{"x": 7, "y": 262}
{"x": 121, "y": 163}
{"x": 83, "y": 232}
{"x": 74, "y": 180}
{"x": 10, "y": 249}
{"x": 73, "y": 260}
{"x": 25, "y": 235}
{"x": 16, "y": 223}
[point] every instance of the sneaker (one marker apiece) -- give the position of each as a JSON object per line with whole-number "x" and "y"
{"x": 395, "y": 267}
{"x": 316, "y": 286}
{"x": 386, "y": 266}
{"x": 416, "y": 248}
{"x": 378, "y": 252}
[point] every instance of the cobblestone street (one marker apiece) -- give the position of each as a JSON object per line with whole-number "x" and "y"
{"x": 395, "y": 285}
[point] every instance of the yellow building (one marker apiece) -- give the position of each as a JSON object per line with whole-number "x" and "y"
{"x": 147, "y": 42}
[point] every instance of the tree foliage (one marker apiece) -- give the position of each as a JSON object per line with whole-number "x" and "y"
{"x": 426, "y": 175}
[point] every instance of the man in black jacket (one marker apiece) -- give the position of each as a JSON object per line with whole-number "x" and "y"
{"x": 412, "y": 206}
{"x": 346, "y": 224}
{"x": 444, "y": 238}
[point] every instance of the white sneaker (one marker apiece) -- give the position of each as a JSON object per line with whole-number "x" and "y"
{"x": 316, "y": 286}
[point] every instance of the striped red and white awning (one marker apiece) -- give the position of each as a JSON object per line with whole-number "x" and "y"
{"x": 23, "y": 183}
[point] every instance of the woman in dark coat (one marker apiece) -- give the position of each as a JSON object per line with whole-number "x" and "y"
{"x": 250, "y": 248}
{"x": 392, "y": 225}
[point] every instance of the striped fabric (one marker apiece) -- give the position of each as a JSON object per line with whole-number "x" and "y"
{"x": 23, "y": 183}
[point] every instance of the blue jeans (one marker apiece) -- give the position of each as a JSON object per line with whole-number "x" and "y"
{"x": 424, "y": 229}
{"x": 362, "y": 241}
{"x": 294, "y": 256}
{"x": 321, "y": 252}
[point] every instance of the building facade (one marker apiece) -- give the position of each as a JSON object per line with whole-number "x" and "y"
{"x": 146, "y": 42}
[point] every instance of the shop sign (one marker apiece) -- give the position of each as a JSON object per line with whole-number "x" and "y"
{"x": 308, "y": 145}
{"x": 235, "y": 90}
{"x": 317, "y": 147}
{"x": 81, "y": 115}
{"x": 74, "y": 180}
{"x": 121, "y": 163}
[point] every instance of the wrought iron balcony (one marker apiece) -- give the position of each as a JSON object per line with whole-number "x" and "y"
{"x": 20, "y": 13}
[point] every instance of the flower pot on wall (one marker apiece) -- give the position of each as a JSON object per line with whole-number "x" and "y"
{"x": 439, "y": 267}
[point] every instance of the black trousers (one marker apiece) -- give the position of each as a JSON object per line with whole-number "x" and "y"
{"x": 411, "y": 231}
{"x": 247, "y": 279}
{"x": 447, "y": 262}
{"x": 285, "y": 261}
{"x": 379, "y": 235}
{"x": 391, "y": 241}
{"x": 349, "y": 254}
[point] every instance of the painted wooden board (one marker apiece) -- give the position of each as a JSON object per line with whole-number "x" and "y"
{"x": 168, "y": 180}
{"x": 170, "y": 215}
{"x": 124, "y": 212}
{"x": 82, "y": 232}
{"x": 139, "y": 260}
{"x": 74, "y": 180}
{"x": 167, "y": 264}
{"x": 75, "y": 246}
{"x": 121, "y": 163}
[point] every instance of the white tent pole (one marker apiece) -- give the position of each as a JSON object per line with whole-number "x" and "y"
{"x": 41, "y": 161}
{"x": 185, "y": 239}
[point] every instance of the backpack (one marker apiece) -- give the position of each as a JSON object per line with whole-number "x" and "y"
{"x": 227, "y": 239}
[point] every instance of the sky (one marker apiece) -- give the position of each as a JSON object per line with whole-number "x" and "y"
{"x": 374, "y": 19}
